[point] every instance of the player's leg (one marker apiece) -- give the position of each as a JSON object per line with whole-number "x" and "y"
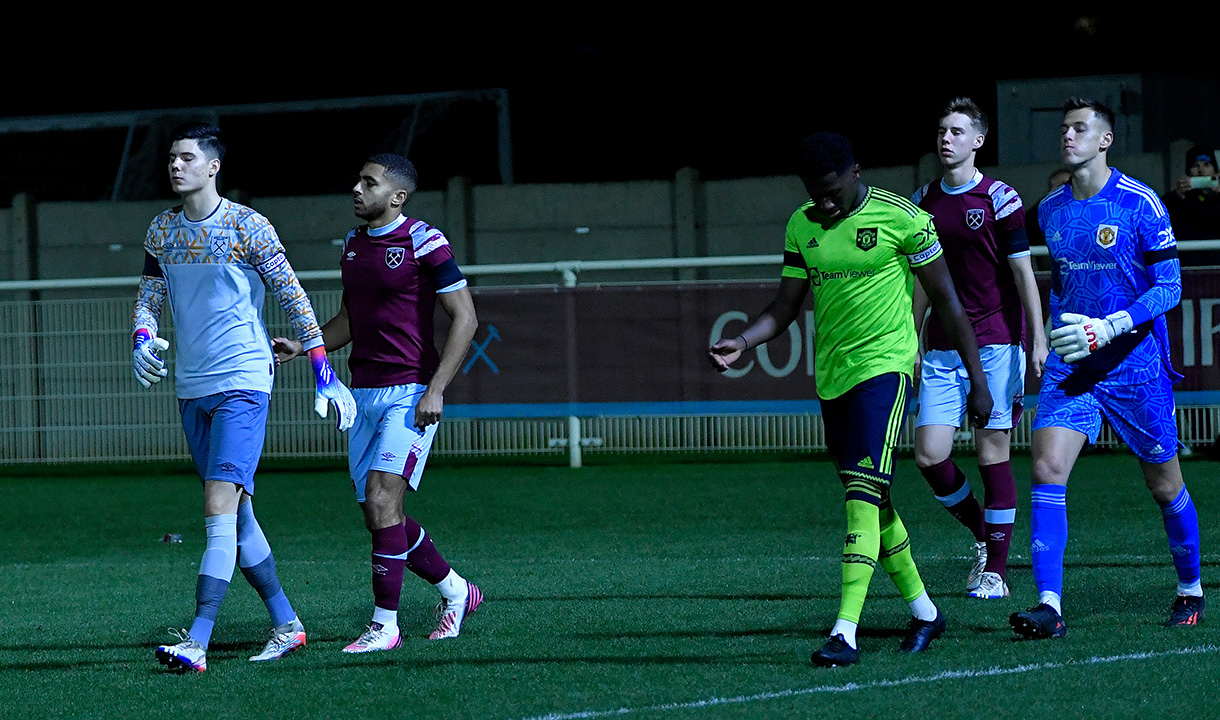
{"x": 1004, "y": 366}
{"x": 389, "y": 543}
{"x": 942, "y": 403}
{"x": 257, "y": 564}
{"x": 1143, "y": 417}
{"x": 238, "y": 427}
{"x": 1181, "y": 520}
{"x": 220, "y": 545}
{"x": 927, "y": 623}
{"x": 862, "y": 429}
{"x": 1000, "y": 510}
{"x": 1055, "y": 450}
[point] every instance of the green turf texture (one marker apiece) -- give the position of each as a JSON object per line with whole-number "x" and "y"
{"x": 681, "y": 590}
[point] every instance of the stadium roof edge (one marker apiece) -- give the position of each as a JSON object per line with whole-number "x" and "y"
{"x": 126, "y": 118}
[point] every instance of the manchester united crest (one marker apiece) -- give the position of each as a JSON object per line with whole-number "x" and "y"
{"x": 1107, "y": 235}
{"x": 974, "y": 218}
{"x": 866, "y": 238}
{"x": 394, "y": 256}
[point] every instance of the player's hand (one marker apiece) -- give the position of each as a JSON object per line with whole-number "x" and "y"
{"x": 1035, "y": 359}
{"x": 148, "y": 367}
{"x": 979, "y": 404}
{"x": 286, "y": 349}
{"x": 1081, "y": 336}
{"x": 330, "y": 390}
{"x": 725, "y": 352}
{"x": 429, "y": 409}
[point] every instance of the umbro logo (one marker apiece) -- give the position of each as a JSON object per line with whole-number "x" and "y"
{"x": 228, "y": 467}
{"x": 351, "y": 255}
{"x": 388, "y": 456}
{"x": 380, "y": 569}
{"x": 998, "y": 535}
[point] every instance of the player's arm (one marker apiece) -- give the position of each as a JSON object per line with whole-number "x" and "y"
{"x": 460, "y": 307}
{"x": 267, "y": 256}
{"x": 1031, "y": 303}
{"x": 935, "y": 278}
{"x": 774, "y": 319}
{"x": 336, "y": 333}
{"x": 149, "y": 368}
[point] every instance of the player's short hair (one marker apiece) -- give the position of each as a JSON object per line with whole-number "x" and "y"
{"x": 398, "y": 169}
{"x": 1097, "y": 106}
{"x": 207, "y": 135}
{"x": 970, "y": 109}
{"x": 823, "y": 153}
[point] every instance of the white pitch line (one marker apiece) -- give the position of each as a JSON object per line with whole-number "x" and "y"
{"x": 852, "y": 687}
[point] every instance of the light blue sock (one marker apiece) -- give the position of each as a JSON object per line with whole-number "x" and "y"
{"x": 1182, "y": 527}
{"x": 1048, "y": 538}
{"x": 258, "y": 565}
{"x": 215, "y": 572}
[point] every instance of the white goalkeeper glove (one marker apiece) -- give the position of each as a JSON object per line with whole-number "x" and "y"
{"x": 330, "y": 390}
{"x": 149, "y": 368}
{"x": 1082, "y": 335}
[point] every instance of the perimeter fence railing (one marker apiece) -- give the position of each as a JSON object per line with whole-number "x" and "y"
{"x": 67, "y": 394}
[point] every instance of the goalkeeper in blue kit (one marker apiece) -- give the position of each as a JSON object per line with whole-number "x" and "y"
{"x": 1115, "y": 273}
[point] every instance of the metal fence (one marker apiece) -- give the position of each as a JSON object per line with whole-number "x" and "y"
{"x": 67, "y": 395}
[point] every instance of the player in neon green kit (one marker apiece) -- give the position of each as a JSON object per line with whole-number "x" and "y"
{"x": 856, "y": 246}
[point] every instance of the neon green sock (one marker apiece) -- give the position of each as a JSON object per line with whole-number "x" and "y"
{"x": 860, "y": 548}
{"x": 896, "y": 556}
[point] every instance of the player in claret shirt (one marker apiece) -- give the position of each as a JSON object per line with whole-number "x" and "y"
{"x": 981, "y": 225}
{"x": 1115, "y": 273}
{"x": 395, "y": 269}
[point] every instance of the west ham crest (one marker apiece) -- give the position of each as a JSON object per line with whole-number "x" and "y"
{"x": 1107, "y": 235}
{"x": 394, "y": 256}
{"x": 866, "y": 238}
{"x": 219, "y": 245}
{"x": 974, "y": 218}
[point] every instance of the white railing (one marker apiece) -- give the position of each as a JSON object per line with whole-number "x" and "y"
{"x": 66, "y": 392}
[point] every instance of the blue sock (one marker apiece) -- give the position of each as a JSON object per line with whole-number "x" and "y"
{"x": 258, "y": 565}
{"x": 1182, "y": 527}
{"x": 1049, "y": 532}
{"x": 215, "y": 571}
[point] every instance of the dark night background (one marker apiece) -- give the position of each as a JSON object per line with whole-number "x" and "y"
{"x": 591, "y": 100}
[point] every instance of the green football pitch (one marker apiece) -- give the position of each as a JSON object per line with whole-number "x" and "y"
{"x": 693, "y": 589}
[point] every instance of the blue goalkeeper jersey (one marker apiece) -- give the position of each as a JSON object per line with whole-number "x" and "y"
{"x": 1111, "y": 252}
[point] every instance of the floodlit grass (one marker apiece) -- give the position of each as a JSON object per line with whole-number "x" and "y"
{"x": 681, "y": 590}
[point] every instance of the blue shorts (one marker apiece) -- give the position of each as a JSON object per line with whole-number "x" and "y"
{"x": 943, "y": 386}
{"x": 225, "y": 433}
{"x": 385, "y": 438}
{"x": 1141, "y": 414}
{"x": 863, "y": 425}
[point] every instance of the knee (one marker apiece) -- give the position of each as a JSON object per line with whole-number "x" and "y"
{"x": 380, "y": 511}
{"x": 1050, "y": 469}
{"x": 1163, "y": 486}
{"x": 928, "y": 457}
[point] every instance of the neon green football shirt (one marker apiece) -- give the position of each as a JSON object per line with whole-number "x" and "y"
{"x": 859, "y": 269}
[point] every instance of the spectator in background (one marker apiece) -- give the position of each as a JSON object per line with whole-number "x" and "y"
{"x": 1194, "y": 204}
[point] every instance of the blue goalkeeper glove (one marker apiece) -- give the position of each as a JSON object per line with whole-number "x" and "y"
{"x": 330, "y": 390}
{"x": 1082, "y": 335}
{"x": 149, "y": 368}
